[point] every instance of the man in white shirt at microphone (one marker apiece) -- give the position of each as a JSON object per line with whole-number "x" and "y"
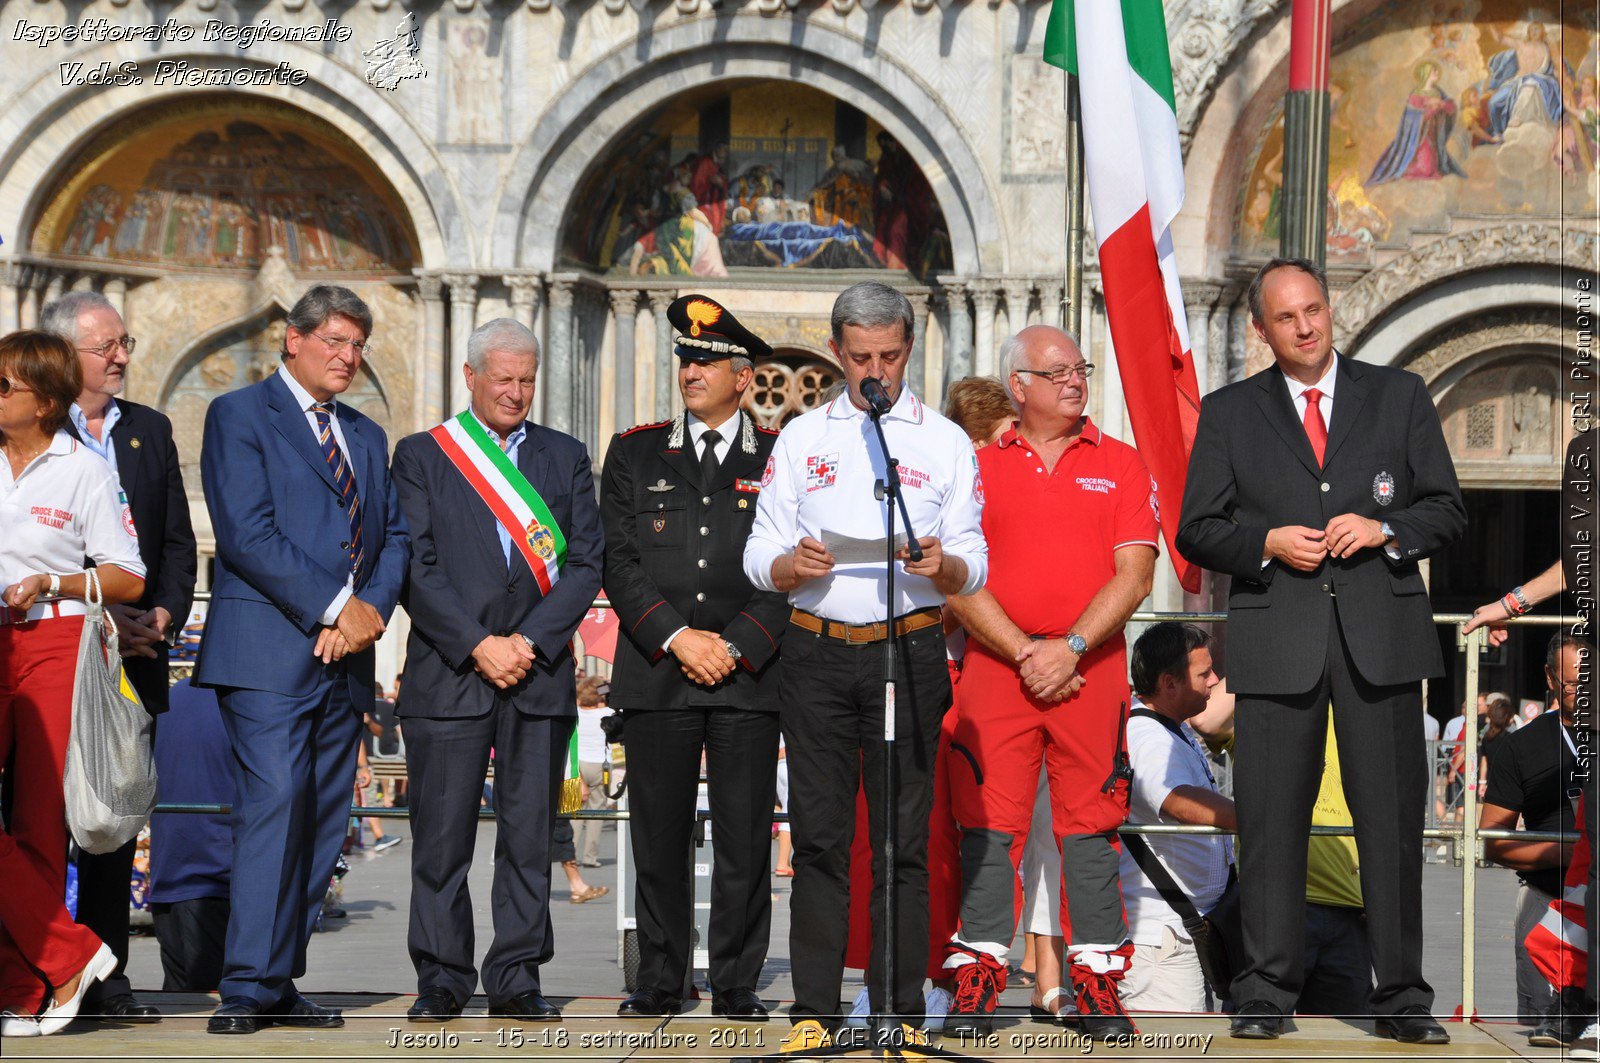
{"x": 818, "y": 491}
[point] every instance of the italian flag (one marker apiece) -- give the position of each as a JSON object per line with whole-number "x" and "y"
{"x": 1134, "y": 169}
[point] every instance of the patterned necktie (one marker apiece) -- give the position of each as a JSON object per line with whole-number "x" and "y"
{"x": 1316, "y": 427}
{"x": 343, "y": 479}
{"x": 708, "y": 457}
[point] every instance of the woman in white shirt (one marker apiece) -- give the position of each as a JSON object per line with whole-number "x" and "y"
{"x": 59, "y": 503}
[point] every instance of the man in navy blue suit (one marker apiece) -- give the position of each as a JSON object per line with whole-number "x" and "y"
{"x": 311, "y": 556}
{"x": 507, "y": 560}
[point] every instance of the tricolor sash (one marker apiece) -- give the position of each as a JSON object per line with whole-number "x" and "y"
{"x": 571, "y": 779}
{"x": 507, "y": 493}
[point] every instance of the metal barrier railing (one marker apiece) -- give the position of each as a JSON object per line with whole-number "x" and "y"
{"x": 1467, "y": 839}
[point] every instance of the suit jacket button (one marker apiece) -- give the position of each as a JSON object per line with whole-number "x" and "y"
{"x": 702, "y": 562}
{"x": 1326, "y": 488}
{"x": 700, "y": 597}
{"x": 345, "y": 545}
{"x": 1325, "y": 587}
{"x": 704, "y": 530}
{"x": 705, "y": 500}
{"x": 339, "y": 503}
{"x": 511, "y": 590}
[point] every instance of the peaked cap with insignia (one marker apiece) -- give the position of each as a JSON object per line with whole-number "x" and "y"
{"x": 708, "y": 333}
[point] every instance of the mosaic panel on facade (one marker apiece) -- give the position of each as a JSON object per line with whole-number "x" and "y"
{"x": 1444, "y": 110}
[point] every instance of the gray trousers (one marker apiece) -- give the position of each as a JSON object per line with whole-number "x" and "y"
{"x": 1534, "y": 994}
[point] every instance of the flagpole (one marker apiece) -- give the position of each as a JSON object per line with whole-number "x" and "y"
{"x": 1305, "y": 135}
{"x": 1074, "y": 264}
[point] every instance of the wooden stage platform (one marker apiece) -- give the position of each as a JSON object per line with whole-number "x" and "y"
{"x": 376, "y": 1028}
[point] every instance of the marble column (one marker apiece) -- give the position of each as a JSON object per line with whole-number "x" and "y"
{"x": 31, "y": 285}
{"x": 625, "y": 312}
{"x": 10, "y": 304}
{"x": 463, "y": 319}
{"x": 1019, "y": 293}
{"x": 1199, "y": 297}
{"x": 985, "y": 297}
{"x": 115, "y": 289}
{"x": 1220, "y": 339}
{"x": 666, "y": 379}
{"x": 1238, "y": 339}
{"x": 559, "y": 373}
{"x": 958, "y": 337}
{"x": 53, "y": 288}
{"x": 1053, "y": 304}
{"x": 917, "y": 368}
{"x": 526, "y": 294}
{"x": 431, "y": 396}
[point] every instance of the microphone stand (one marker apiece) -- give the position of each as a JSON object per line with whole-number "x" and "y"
{"x": 884, "y": 1037}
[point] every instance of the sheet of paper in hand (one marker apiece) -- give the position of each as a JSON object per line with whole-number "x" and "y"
{"x": 848, "y": 550}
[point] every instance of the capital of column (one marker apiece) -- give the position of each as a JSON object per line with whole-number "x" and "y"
{"x": 919, "y": 303}
{"x": 1201, "y": 294}
{"x": 429, "y": 286}
{"x": 562, "y": 290}
{"x": 624, "y": 301}
{"x": 12, "y": 272}
{"x": 985, "y": 296}
{"x": 1018, "y": 294}
{"x": 660, "y": 299}
{"x": 463, "y": 286}
{"x": 525, "y": 289}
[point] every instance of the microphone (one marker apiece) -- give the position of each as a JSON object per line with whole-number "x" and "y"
{"x": 878, "y": 400}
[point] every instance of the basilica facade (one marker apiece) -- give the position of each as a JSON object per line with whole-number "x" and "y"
{"x": 577, "y": 165}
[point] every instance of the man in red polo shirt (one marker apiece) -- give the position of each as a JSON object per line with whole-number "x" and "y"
{"x": 1071, "y": 523}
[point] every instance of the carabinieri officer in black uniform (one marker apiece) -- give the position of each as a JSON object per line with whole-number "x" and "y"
{"x": 694, "y": 670}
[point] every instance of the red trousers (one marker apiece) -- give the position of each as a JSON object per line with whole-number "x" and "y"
{"x": 40, "y": 945}
{"x": 1001, "y": 735}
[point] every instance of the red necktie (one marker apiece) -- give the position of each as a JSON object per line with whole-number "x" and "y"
{"x": 1316, "y": 427}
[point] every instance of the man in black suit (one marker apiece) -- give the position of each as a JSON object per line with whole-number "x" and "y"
{"x": 693, "y": 674}
{"x": 137, "y": 442}
{"x": 1318, "y": 484}
{"x": 506, "y": 561}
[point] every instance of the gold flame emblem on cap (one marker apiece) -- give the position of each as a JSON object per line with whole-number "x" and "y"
{"x": 701, "y": 312}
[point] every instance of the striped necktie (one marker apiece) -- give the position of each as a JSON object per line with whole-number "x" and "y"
{"x": 344, "y": 480}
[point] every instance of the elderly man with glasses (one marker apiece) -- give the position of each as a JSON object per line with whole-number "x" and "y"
{"x": 136, "y": 441}
{"x": 1071, "y": 523}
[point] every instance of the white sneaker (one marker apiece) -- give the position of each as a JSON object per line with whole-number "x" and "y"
{"x": 1587, "y": 1046}
{"x": 58, "y": 1017}
{"x": 857, "y": 1019}
{"x": 14, "y": 1025}
{"x": 935, "y": 1006}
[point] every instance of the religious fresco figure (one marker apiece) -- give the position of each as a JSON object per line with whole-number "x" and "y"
{"x": 900, "y": 205}
{"x": 683, "y": 245}
{"x": 708, "y": 180}
{"x": 1523, "y": 85}
{"x": 844, "y": 193}
{"x": 1420, "y": 150}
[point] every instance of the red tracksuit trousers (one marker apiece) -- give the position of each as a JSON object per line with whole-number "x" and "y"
{"x": 39, "y": 943}
{"x": 1001, "y": 735}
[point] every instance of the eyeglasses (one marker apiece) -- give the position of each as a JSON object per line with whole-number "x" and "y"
{"x": 1062, "y": 373}
{"x": 337, "y": 344}
{"x": 127, "y": 343}
{"x": 8, "y": 385}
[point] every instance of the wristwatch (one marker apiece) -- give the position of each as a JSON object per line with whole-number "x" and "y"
{"x": 529, "y": 643}
{"x": 1388, "y": 532}
{"x": 1077, "y": 644}
{"x": 733, "y": 651}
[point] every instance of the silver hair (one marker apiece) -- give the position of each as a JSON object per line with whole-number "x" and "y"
{"x": 61, "y": 315}
{"x": 501, "y": 334}
{"x": 1014, "y": 352}
{"x": 870, "y": 304}
{"x": 739, "y": 361}
{"x": 322, "y": 301}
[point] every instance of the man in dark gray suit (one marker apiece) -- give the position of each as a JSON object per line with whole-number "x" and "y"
{"x": 507, "y": 562}
{"x": 1318, "y": 484}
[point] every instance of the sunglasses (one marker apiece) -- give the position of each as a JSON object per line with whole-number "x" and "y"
{"x": 8, "y": 385}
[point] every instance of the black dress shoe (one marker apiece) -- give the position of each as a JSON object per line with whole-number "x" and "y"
{"x": 237, "y": 1015}
{"x": 304, "y": 1013}
{"x": 1257, "y": 1020}
{"x": 1413, "y": 1026}
{"x": 647, "y": 1003}
{"x": 121, "y": 1008}
{"x": 434, "y": 1005}
{"x": 742, "y": 1004}
{"x": 525, "y": 1007}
